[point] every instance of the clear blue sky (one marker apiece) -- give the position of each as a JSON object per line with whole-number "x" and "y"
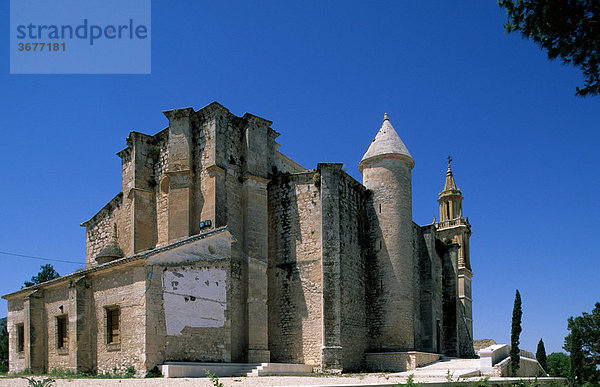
{"x": 525, "y": 148}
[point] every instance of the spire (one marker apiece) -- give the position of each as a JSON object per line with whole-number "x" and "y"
{"x": 450, "y": 199}
{"x": 387, "y": 142}
{"x": 450, "y": 184}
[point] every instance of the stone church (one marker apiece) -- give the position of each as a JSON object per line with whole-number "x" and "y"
{"x": 219, "y": 248}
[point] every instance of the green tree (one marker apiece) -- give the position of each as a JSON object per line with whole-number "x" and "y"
{"x": 566, "y": 29}
{"x": 3, "y": 346}
{"x": 583, "y": 343}
{"x": 540, "y": 354}
{"x": 574, "y": 348}
{"x": 558, "y": 364}
{"x": 515, "y": 332}
{"x": 46, "y": 273}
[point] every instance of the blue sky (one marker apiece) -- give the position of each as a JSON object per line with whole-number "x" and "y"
{"x": 525, "y": 148}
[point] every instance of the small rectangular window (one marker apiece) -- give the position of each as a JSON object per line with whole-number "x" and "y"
{"x": 20, "y": 338}
{"x": 62, "y": 331}
{"x": 112, "y": 325}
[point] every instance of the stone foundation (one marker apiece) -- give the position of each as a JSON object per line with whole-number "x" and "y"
{"x": 398, "y": 361}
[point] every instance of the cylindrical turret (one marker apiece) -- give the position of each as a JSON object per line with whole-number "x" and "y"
{"x": 386, "y": 169}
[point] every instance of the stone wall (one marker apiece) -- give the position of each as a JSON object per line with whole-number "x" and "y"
{"x": 309, "y": 267}
{"x": 465, "y": 346}
{"x": 392, "y": 293}
{"x": 124, "y": 288}
{"x": 353, "y": 254}
{"x": 294, "y": 271}
{"x": 398, "y": 361}
{"x": 195, "y": 304}
{"x": 424, "y": 315}
{"x": 83, "y": 301}
{"x": 15, "y": 318}
{"x": 161, "y": 183}
{"x": 450, "y": 302}
{"x": 99, "y": 228}
{"x": 527, "y": 368}
{"x": 282, "y": 163}
{"x": 56, "y": 303}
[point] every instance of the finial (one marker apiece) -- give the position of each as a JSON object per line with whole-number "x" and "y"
{"x": 449, "y": 161}
{"x": 385, "y": 117}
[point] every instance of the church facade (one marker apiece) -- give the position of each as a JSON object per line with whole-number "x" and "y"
{"x": 219, "y": 248}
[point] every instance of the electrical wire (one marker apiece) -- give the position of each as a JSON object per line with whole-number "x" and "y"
{"x": 39, "y": 258}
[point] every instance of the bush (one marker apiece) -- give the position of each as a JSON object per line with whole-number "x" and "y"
{"x": 154, "y": 373}
{"x": 129, "y": 372}
{"x": 558, "y": 364}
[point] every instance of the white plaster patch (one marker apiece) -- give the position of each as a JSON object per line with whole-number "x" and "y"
{"x": 194, "y": 297}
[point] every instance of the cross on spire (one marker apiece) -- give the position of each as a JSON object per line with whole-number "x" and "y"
{"x": 450, "y": 185}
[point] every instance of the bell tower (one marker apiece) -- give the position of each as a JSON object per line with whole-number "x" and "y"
{"x": 454, "y": 228}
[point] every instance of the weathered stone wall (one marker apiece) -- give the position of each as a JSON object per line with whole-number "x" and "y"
{"x": 398, "y": 361}
{"x": 211, "y": 174}
{"x": 294, "y": 272}
{"x": 83, "y": 301}
{"x": 57, "y": 303}
{"x": 162, "y": 184}
{"x": 331, "y": 352}
{"x": 437, "y": 294}
{"x": 145, "y": 152}
{"x": 428, "y": 291}
{"x": 233, "y": 164}
{"x": 123, "y": 287}
{"x": 392, "y": 295}
{"x": 282, "y": 163}
{"x": 127, "y": 168}
{"x": 195, "y": 306}
{"x": 318, "y": 268}
{"x": 15, "y": 317}
{"x": 424, "y": 315}
{"x": 99, "y": 229}
{"x": 194, "y": 301}
{"x": 459, "y": 234}
{"x": 353, "y": 254}
{"x": 450, "y": 300}
{"x": 465, "y": 341}
{"x": 134, "y": 209}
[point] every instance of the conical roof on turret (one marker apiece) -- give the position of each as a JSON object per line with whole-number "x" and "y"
{"x": 386, "y": 142}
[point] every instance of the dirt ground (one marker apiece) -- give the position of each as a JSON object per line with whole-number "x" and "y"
{"x": 227, "y": 382}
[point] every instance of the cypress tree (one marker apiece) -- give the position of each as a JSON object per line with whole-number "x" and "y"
{"x": 577, "y": 358}
{"x": 515, "y": 332}
{"x": 540, "y": 354}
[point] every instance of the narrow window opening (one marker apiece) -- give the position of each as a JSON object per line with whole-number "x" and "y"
{"x": 380, "y": 208}
{"x": 448, "y": 210}
{"x": 62, "y": 331}
{"x": 112, "y": 325}
{"x": 20, "y": 337}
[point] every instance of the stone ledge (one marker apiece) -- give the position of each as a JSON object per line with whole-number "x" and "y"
{"x": 192, "y": 369}
{"x": 398, "y": 361}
